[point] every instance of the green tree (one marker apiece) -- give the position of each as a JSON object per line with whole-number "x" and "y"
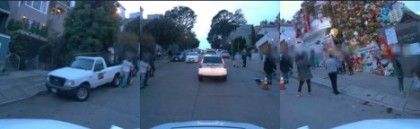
{"x": 91, "y": 26}
{"x": 164, "y": 31}
{"x": 223, "y": 23}
{"x": 238, "y": 44}
{"x": 182, "y": 16}
{"x": 189, "y": 41}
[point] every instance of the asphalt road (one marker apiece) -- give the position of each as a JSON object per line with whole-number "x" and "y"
{"x": 176, "y": 95}
{"x": 106, "y": 106}
{"x": 323, "y": 110}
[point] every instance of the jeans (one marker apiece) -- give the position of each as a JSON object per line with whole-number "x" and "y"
{"x": 125, "y": 79}
{"x": 269, "y": 77}
{"x": 285, "y": 76}
{"x": 142, "y": 79}
{"x": 401, "y": 83}
{"x": 333, "y": 78}
{"x": 308, "y": 82}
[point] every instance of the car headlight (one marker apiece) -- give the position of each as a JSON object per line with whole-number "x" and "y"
{"x": 70, "y": 83}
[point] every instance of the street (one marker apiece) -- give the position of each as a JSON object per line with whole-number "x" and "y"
{"x": 106, "y": 106}
{"x": 176, "y": 95}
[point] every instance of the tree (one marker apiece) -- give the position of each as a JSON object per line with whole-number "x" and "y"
{"x": 223, "y": 23}
{"x": 182, "y": 16}
{"x": 164, "y": 31}
{"x": 127, "y": 44}
{"x": 91, "y": 26}
{"x": 189, "y": 41}
{"x": 238, "y": 44}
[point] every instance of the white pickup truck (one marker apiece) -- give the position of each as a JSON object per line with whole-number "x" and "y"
{"x": 84, "y": 73}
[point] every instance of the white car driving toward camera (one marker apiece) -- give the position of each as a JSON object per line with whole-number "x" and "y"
{"x": 192, "y": 57}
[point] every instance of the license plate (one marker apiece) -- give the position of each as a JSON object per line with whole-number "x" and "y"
{"x": 53, "y": 90}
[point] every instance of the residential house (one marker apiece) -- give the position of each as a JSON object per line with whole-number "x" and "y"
{"x": 137, "y": 14}
{"x": 270, "y": 42}
{"x": 154, "y": 16}
{"x": 39, "y": 14}
{"x": 4, "y": 39}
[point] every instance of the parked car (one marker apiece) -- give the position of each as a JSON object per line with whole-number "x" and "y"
{"x": 225, "y": 54}
{"x": 212, "y": 66}
{"x": 192, "y": 57}
{"x": 85, "y": 73}
{"x": 179, "y": 56}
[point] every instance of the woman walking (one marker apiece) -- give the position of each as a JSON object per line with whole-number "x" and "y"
{"x": 236, "y": 59}
{"x": 304, "y": 73}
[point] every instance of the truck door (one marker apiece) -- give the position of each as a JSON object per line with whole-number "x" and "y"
{"x": 99, "y": 71}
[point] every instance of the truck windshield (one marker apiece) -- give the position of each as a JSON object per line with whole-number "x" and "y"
{"x": 80, "y": 63}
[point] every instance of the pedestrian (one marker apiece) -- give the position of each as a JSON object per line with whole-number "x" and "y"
{"x": 285, "y": 66}
{"x": 304, "y": 73}
{"x": 236, "y": 59}
{"x": 127, "y": 66}
{"x": 144, "y": 67}
{"x": 349, "y": 62}
{"x": 312, "y": 58}
{"x": 400, "y": 75}
{"x": 332, "y": 68}
{"x": 269, "y": 67}
{"x": 244, "y": 58}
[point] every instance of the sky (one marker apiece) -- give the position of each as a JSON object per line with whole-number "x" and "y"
{"x": 254, "y": 12}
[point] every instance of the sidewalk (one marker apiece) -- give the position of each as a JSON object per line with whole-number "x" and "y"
{"x": 382, "y": 90}
{"x": 20, "y": 85}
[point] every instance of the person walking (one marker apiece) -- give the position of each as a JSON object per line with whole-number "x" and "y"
{"x": 244, "y": 58}
{"x": 144, "y": 67}
{"x": 349, "y": 62}
{"x": 269, "y": 67}
{"x": 127, "y": 66}
{"x": 286, "y": 66}
{"x": 400, "y": 75}
{"x": 236, "y": 59}
{"x": 304, "y": 73}
{"x": 332, "y": 68}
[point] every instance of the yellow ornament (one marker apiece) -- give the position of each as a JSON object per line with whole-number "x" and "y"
{"x": 334, "y": 32}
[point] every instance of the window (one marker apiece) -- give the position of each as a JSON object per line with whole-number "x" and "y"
{"x": 99, "y": 65}
{"x": 41, "y": 6}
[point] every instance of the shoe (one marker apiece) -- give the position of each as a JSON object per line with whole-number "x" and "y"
{"x": 336, "y": 93}
{"x": 298, "y": 94}
{"x": 309, "y": 94}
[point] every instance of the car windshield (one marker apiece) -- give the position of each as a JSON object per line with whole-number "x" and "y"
{"x": 82, "y": 63}
{"x": 212, "y": 60}
{"x": 192, "y": 53}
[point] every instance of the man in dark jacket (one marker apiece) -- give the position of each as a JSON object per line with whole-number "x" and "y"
{"x": 269, "y": 67}
{"x": 285, "y": 67}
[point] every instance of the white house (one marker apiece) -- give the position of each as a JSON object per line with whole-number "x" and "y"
{"x": 270, "y": 40}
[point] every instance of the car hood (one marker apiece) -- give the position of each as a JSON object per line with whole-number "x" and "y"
{"x": 208, "y": 124}
{"x": 37, "y": 124}
{"x": 70, "y": 73}
{"x": 382, "y": 124}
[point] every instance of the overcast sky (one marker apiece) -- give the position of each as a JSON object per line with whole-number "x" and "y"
{"x": 254, "y": 11}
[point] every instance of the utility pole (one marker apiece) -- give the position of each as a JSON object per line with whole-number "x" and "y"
{"x": 141, "y": 15}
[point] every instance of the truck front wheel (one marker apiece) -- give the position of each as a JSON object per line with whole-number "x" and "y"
{"x": 82, "y": 93}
